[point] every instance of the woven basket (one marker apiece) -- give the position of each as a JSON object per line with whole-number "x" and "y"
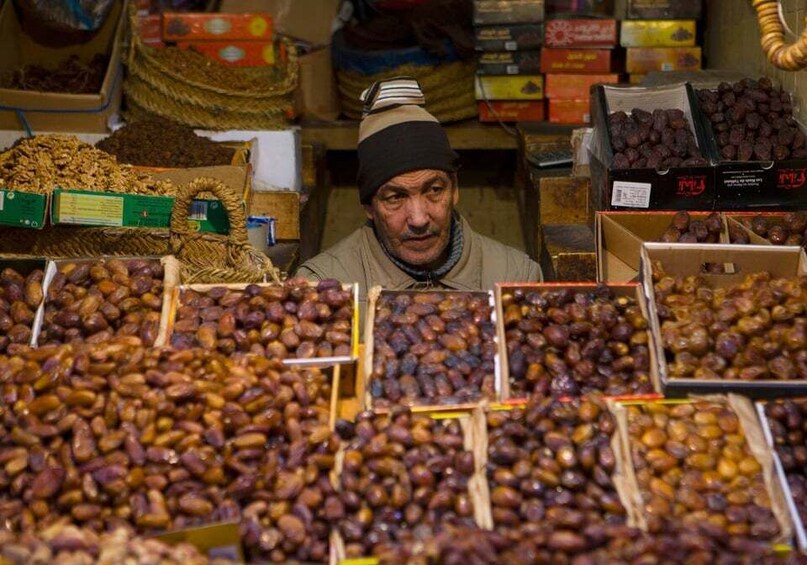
{"x": 213, "y": 258}
{"x": 157, "y": 87}
{"x": 449, "y": 89}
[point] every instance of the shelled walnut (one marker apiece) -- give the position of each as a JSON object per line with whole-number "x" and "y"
{"x": 788, "y": 423}
{"x": 292, "y": 320}
{"x": 550, "y": 464}
{"x": 692, "y": 462}
{"x": 19, "y": 299}
{"x": 117, "y": 434}
{"x": 432, "y": 348}
{"x": 404, "y": 477}
{"x": 567, "y": 342}
{"x": 753, "y": 120}
{"x": 753, "y": 330}
{"x": 657, "y": 140}
{"x": 95, "y": 301}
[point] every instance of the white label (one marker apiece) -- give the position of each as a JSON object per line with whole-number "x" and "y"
{"x": 666, "y": 66}
{"x": 512, "y": 69}
{"x": 631, "y": 194}
{"x": 510, "y": 46}
{"x": 198, "y": 210}
{"x": 2, "y": 200}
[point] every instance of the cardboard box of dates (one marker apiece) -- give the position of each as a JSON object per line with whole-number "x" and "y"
{"x": 299, "y": 322}
{"x": 728, "y": 318}
{"x": 571, "y": 339}
{"x": 620, "y": 234}
{"x": 433, "y": 349}
{"x": 767, "y": 228}
{"x": 783, "y": 426}
{"x": 761, "y": 146}
{"x": 650, "y": 149}
{"x": 21, "y": 298}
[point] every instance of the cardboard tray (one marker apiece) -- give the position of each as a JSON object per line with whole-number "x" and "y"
{"x": 50, "y": 111}
{"x": 744, "y": 410}
{"x": 170, "y": 280}
{"x": 176, "y": 295}
{"x": 733, "y": 219}
{"x": 781, "y": 477}
{"x": 474, "y": 428}
{"x": 678, "y": 188}
{"x": 631, "y": 290}
{"x": 365, "y": 376}
{"x": 619, "y": 237}
{"x": 24, "y": 267}
{"x": 687, "y": 259}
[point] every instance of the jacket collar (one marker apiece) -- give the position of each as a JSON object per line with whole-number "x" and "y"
{"x": 463, "y": 276}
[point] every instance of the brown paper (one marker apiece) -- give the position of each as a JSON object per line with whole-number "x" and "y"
{"x": 171, "y": 269}
{"x": 625, "y": 482}
{"x": 369, "y": 322}
{"x": 478, "y": 485}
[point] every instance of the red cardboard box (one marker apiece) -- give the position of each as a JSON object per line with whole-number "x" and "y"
{"x": 580, "y": 33}
{"x": 149, "y": 28}
{"x": 569, "y": 111}
{"x": 646, "y": 59}
{"x": 574, "y": 87}
{"x": 512, "y": 111}
{"x": 236, "y": 53}
{"x": 196, "y": 26}
{"x": 583, "y": 61}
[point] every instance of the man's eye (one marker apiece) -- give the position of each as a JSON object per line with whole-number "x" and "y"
{"x": 394, "y": 198}
{"x": 436, "y": 189}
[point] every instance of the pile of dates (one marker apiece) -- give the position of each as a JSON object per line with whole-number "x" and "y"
{"x": 20, "y": 296}
{"x": 65, "y": 543}
{"x": 116, "y": 434}
{"x": 566, "y": 342}
{"x": 657, "y": 140}
{"x": 674, "y": 542}
{"x": 683, "y": 229}
{"x": 753, "y": 120}
{"x": 551, "y": 463}
{"x": 93, "y": 301}
{"x": 788, "y": 423}
{"x": 753, "y": 330}
{"x": 294, "y": 320}
{"x": 433, "y": 348}
{"x": 788, "y": 229}
{"x": 404, "y": 477}
{"x": 693, "y": 463}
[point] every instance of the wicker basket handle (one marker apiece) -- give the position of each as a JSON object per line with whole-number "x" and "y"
{"x": 232, "y": 204}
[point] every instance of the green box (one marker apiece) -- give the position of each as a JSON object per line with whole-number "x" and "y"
{"x": 23, "y": 209}
{"x": 87, "y": 208}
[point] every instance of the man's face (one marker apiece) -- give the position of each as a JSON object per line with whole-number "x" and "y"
{"x": 412, "y": 216}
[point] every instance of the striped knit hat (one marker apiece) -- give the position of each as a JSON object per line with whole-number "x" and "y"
{"x": 397, "y": 135}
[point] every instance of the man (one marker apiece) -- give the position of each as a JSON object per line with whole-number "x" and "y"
{"x": 414, "y": 237}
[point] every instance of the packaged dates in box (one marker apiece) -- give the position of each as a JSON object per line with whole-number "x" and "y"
{"x": 650, "y": 150}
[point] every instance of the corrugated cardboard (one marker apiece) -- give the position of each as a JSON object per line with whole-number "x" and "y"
{"x": 317, "y": 93}
{"x": 569, "y": 253}
{"x": 564, "y": 200}
{"x": 46, "y": 111}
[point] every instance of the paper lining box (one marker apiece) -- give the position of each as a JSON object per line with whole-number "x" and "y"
{"x": 511, "y": 111}
{"x": 517, "y": 37}
{"x": 589, "y": 33}
{"x": 690, "y": 259}
{"x": 648, "y": 59}
{"x": 657, "y": 33}
{"x": 515, "y": 87}
{"x": 577, "y": 60}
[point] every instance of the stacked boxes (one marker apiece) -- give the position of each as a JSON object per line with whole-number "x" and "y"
{"x": 508, "y": 37}
{"x": 578, "y": 53}
{"x": 660, "y": 35}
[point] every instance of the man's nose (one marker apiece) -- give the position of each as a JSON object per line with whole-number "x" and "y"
{"x": 418, "y": 216}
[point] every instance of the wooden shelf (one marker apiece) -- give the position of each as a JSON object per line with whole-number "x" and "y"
{"x": 469, "y": 134}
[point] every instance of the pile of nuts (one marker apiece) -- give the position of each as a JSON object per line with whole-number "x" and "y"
{"x": 92, "y": 301}
{"x": 404, "y": 477}
{"x": 436, "y": 347}
{"x": 64, "y": 543}
{"x": 749, "y": 331}
{"x": 788, "y": 423}
{"x": 159, "y": 142}
{"x": 550, "y": 465}
{"x": 19, "y": 299}
{"x": 118, "y": 434}
{"x": 789, "y": 229}
{"x": 43, "y": 163}
{"x": 293, "y": 320}
{"x": 566, "y": 342}
{"x": 693, "y": 463}
{"x": 657, "y": 140}
{"x": 753, "y": 120}
{"x": 683, "y": 229}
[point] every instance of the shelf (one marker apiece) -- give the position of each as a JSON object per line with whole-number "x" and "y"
{"x": 469, "y": 134}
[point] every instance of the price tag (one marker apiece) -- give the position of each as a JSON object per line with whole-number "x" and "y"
{"x": 631, "y": 194}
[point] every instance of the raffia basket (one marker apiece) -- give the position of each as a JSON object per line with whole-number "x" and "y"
{"x": 449, "y": 89}
{"x": 204, "y": 257}
{"x": 167, "y": 82}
